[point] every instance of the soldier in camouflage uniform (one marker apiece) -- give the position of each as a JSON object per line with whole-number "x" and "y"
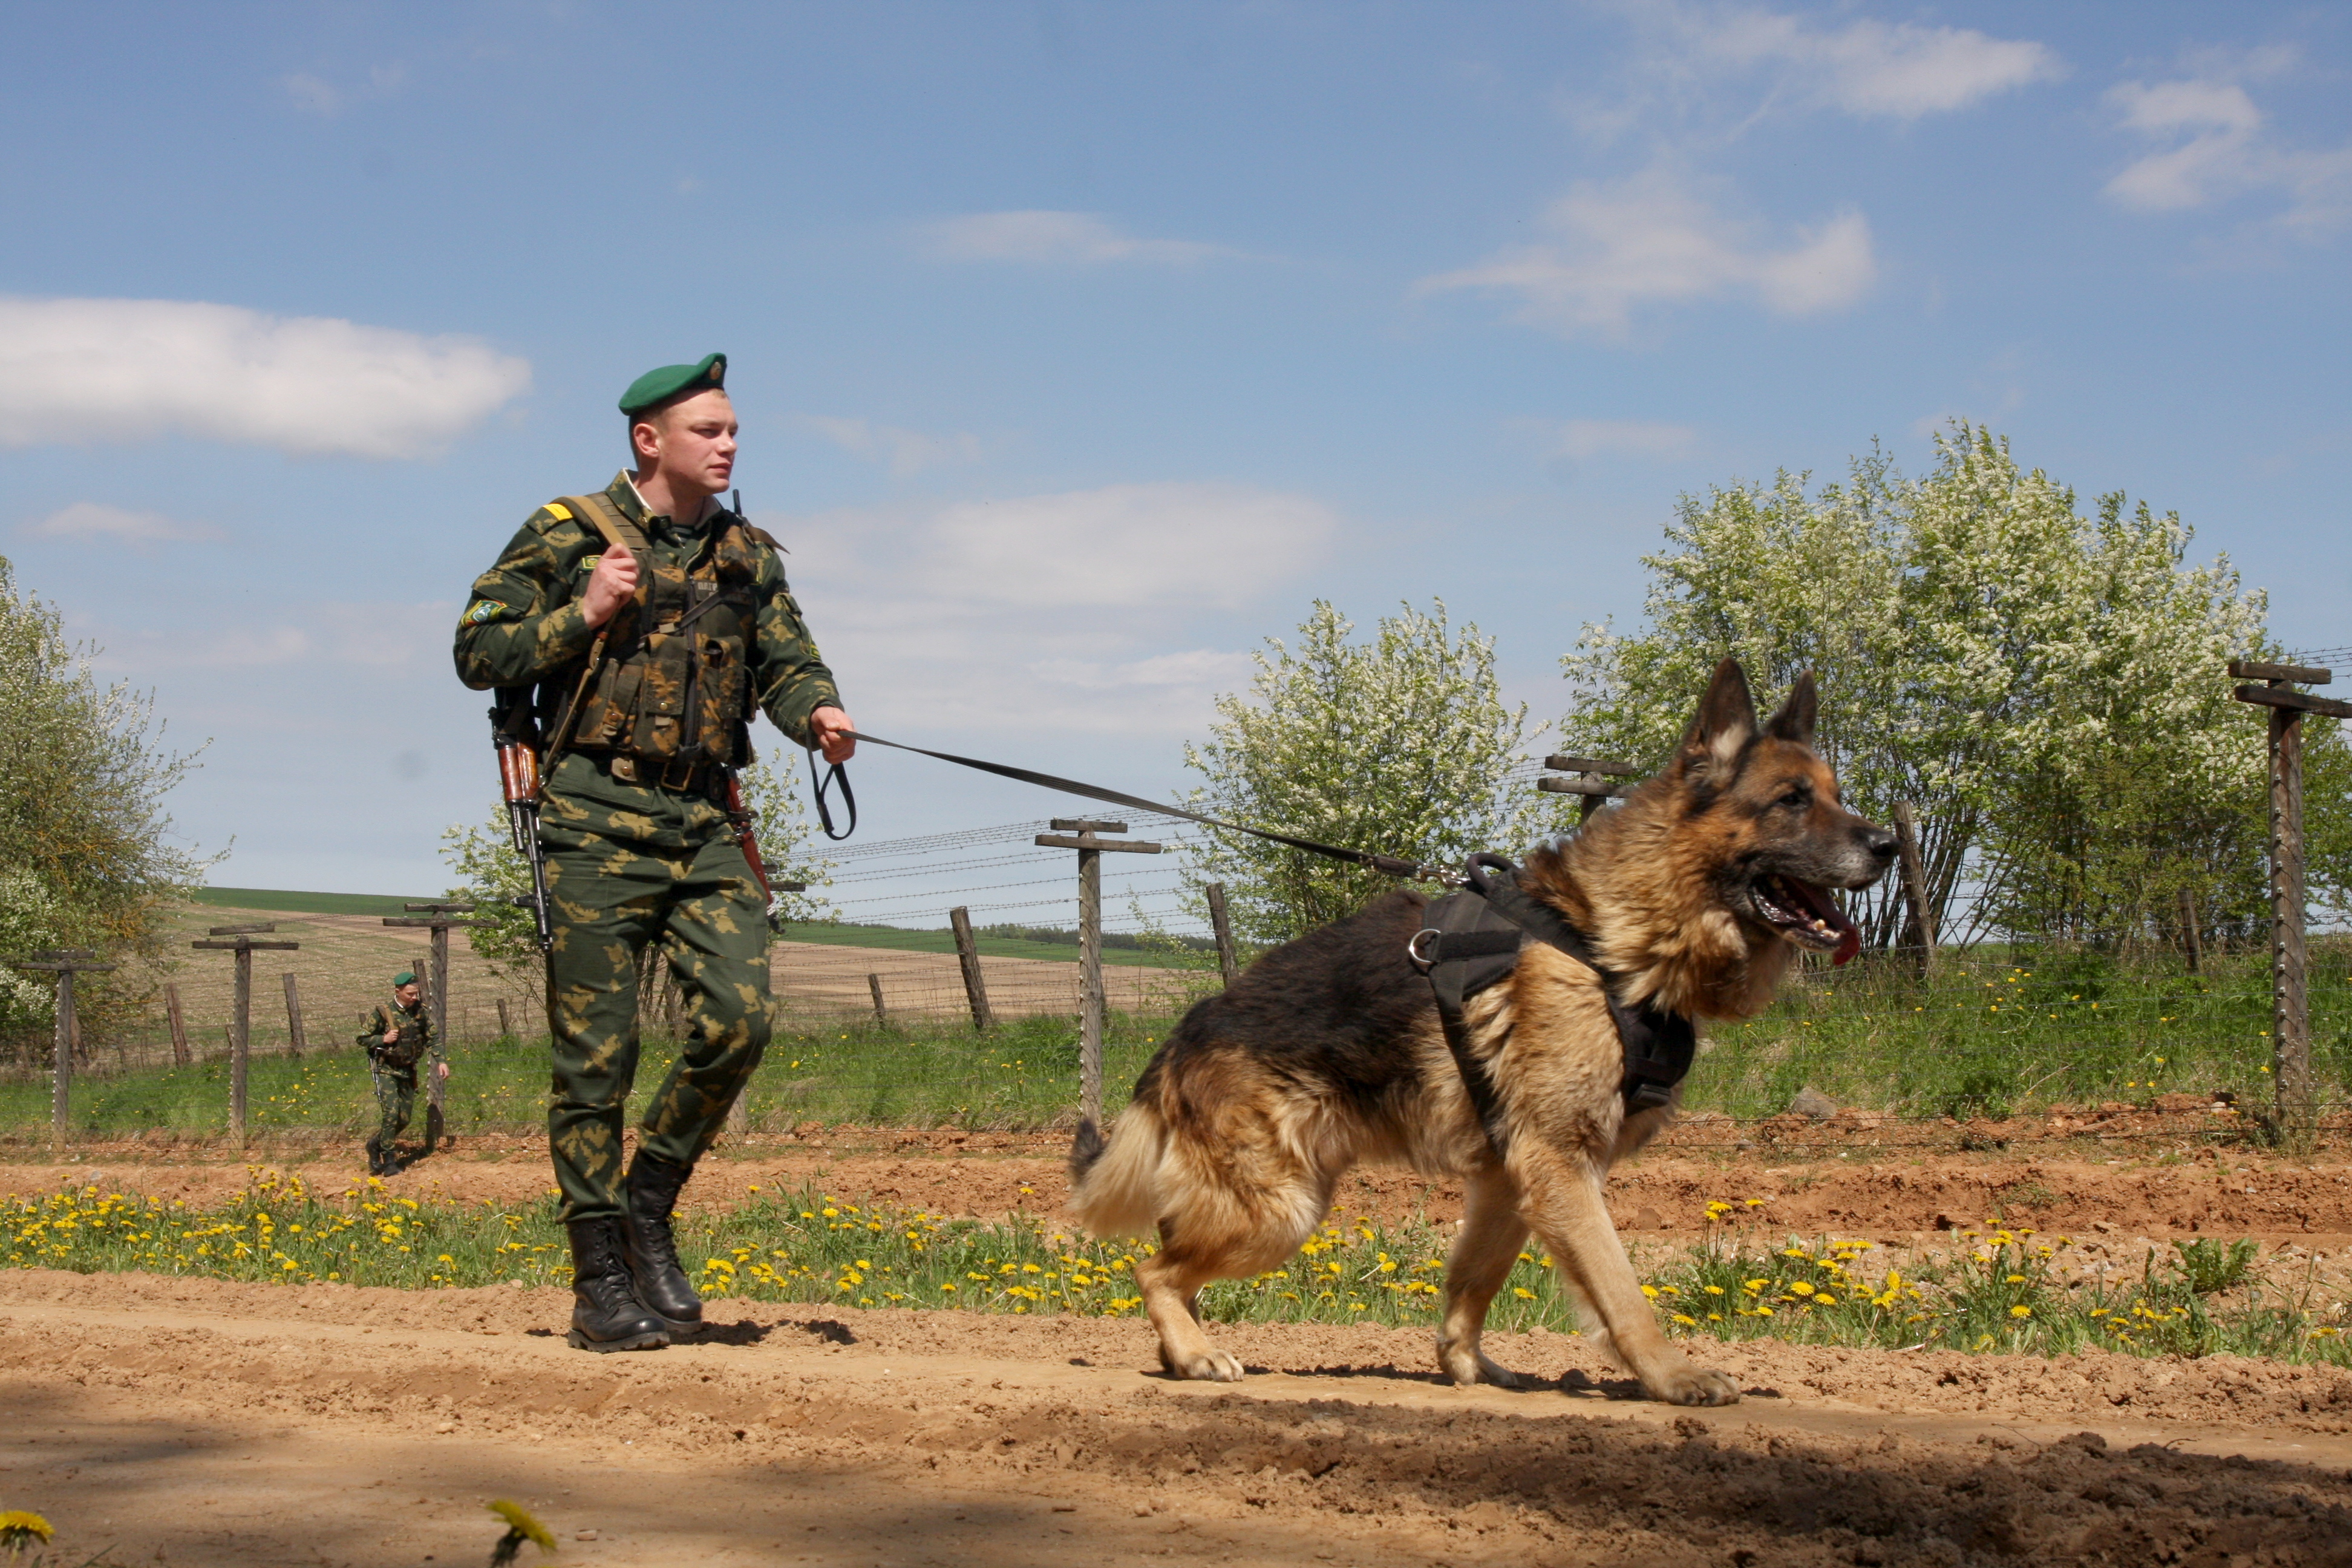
{"x": 397, "y": 1036}
{"x": 652, "y": 622}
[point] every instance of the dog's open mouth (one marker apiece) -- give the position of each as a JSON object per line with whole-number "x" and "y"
{"x": 1806, "y": 915}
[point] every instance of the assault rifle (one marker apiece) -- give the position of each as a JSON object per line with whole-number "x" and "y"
{"x": 517, "y": 740}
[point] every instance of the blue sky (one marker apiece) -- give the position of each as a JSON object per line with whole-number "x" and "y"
{"x": 1079, "y": 347}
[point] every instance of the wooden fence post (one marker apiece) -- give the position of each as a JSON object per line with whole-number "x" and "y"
{"x": 1222, "y": 924}
{"x": 975, "y": 984}
{"x": 506, "y": 1026}
{"x": 64, "y": 964}
{"x": 295, "y": 1041}
{"x": 1090, "y": 844}
{"x": 1915, "y": 884}
{"x": 240, "y": 1029}
{"x": 881, "y": 1014}
{"x": 2298, "y": 1106}
{"x": 181, "y": 1057}
{"x": 1593, "y": 783}
{"x": 2192, "y": 937}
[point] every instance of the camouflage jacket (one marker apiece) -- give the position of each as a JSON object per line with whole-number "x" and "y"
{"x": 524, "y": 624}
{"x": 416, "y": 1041}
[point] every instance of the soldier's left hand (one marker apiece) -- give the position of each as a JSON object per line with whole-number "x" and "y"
{"x": 833, "y": 728}
{"x": 442, "y": 1068}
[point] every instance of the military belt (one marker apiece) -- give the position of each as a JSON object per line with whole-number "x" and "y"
{"x": 687, "y": 777}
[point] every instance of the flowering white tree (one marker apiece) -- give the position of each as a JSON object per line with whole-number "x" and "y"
{"x": 1402, "y": 744}
{"x": 2048, "y": 690}
{"x": 86, "y": 853}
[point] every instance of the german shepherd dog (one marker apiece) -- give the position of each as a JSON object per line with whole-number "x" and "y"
{"x": 1694, "y": 893}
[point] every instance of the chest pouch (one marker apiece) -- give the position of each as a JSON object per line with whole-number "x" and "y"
{"x": 674, "y": 685}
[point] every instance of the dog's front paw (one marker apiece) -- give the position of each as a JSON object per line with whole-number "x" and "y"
{"x": 1205, "y": 1366}
{"x": 1688, "y": 1385}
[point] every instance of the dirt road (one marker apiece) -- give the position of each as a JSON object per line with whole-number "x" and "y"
{"x": 205, "y": 1423}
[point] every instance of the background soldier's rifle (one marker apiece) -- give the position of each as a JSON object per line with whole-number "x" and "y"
{"x": 517, "y": 738}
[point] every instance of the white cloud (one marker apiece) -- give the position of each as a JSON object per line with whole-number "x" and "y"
{"x": 88, "y": 520}
{"x": 1066, "y": 238}
{"x": 2220, "y": 147}
{"x": 116, "y": 370}
{"x": 1202, "y": 667}
{"x": 904, "y": 451}
{"x": 1653, "y": 240}
{"x": 1069, "y": 611}
{"x": 1582, "y": 438}
{"x": 1125, "y": 545}
{"x": 1868, "y": 67}
{"x": 374, "y": 634}
{"x": 317, "y": 95}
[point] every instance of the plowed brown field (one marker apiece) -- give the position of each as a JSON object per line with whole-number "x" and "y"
{"x": 202, "y": 1423}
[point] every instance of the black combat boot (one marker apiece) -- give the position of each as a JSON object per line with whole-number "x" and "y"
{"x": 375, "y": 1156}
{"x": 662, "y": 1285}
{"x": 605, "y": 1312}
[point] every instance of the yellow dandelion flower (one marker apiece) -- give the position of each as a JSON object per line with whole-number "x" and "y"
{"x": 19, "y": 1529}
{"x": 2020, "y": 1311}
{"x": 520, "y": 1527}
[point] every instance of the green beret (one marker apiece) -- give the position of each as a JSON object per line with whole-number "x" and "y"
{"x": 657, "y": 387}
{"x": 405, "y": 978}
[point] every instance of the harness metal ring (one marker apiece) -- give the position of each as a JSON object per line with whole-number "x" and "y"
{"x": 1413, "y": 948}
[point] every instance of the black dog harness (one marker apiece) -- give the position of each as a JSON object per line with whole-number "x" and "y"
{"x": 1472, "y": 940}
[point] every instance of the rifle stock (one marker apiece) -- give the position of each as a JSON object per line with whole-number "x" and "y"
{"x": 512, "y": 732}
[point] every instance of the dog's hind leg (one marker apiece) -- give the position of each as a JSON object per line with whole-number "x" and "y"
{"x": 1564, "y": 1202}
{"x": 1232, "y": 1214}
{"x": 1484, "y": 1250}
{"x": 1171, "y": 1282}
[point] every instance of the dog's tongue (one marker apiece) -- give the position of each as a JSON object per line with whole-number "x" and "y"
{"x": 1818, "y": 902}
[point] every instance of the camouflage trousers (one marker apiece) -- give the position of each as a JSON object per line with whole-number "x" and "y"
{"x": 610, "y": 897}
{"x": 395, "y": 1099}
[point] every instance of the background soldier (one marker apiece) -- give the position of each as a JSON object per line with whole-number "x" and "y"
{"x": 398, "y": 1034}
{"x": 651, "y": 621}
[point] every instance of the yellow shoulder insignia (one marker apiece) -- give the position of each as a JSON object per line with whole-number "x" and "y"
{"x": 561, "y": 512}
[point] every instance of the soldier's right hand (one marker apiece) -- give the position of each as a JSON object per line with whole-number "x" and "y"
{"x": 611, "y": 585}
{"x": 392, "y": 1037}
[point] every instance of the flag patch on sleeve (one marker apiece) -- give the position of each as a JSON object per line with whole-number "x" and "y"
{"x": 484, "y": 611}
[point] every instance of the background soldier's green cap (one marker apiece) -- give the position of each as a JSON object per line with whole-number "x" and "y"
{"x": 672, "y": 381}
{"x": 405, "y": 978}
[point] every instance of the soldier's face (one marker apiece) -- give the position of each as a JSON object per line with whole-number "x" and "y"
{"x": 408, "y": 994}
{"x": 692, "y": 443}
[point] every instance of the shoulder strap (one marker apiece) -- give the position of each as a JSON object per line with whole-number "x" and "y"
{"x": 599, "y": 513}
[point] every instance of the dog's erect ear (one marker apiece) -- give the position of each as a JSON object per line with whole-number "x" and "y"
{"x": 1726, "y": 720}
{"x": 1796, "y": 718}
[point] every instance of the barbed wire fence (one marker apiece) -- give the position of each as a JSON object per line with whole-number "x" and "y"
{"x": 879, "y": 1005}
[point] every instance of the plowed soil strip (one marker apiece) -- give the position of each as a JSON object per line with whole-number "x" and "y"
{"x": 199, "y": 1422}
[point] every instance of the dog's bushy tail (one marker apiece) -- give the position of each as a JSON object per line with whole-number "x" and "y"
{"x": 1115, "y": 1181}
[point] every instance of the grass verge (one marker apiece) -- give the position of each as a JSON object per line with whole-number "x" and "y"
{"x": 1024, "y": 1074}
{"x": 2000, "y": 1292}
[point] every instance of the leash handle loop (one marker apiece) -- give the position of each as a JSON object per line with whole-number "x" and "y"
{"x": 820, "y": 783}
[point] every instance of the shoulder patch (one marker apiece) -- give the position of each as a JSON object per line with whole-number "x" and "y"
{"x": 589, "y": 563}
{"x": 558, "y": 510}
{"x": 485, "y": 611}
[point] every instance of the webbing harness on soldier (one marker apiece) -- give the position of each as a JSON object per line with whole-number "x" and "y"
{"x": 1471, "y": 940}
{"x": 669, "y": 615}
